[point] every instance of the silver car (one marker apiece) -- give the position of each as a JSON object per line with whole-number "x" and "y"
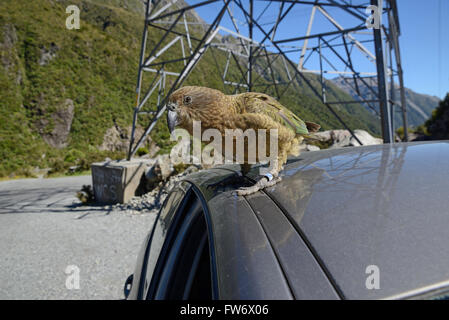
{"x": 354, "y": 223}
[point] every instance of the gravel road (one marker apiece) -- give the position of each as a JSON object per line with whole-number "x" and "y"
{"x": 44, "y": 229}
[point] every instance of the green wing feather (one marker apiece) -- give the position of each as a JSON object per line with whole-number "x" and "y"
{"x": 264, "y": 104}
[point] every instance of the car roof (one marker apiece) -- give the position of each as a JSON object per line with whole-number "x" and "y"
{"x": 354, "y": 210}
{"x": 385, "y": 206}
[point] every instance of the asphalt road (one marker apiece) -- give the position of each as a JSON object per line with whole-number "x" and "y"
{"x": 44, "y": 229}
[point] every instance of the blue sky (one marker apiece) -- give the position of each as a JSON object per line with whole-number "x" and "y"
{"x": 425, "y": 46}
{"x": 424, "y": 40}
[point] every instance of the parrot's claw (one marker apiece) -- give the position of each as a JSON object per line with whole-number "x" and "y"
{"x": 261, "y": 184}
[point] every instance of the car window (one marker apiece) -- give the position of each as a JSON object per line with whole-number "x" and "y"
{"x": 165, "y": 216}
{"x": 186, "y": 266}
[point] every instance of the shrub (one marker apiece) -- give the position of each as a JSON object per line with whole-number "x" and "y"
{"x": 142, "y": 151}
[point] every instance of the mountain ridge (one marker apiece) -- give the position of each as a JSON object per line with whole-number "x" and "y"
{"x": 419, "y": 106}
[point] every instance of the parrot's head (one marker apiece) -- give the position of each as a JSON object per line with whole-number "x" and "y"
{"x": 192, "y": 103}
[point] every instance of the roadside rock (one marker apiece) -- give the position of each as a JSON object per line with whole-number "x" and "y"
{"x": 324, "y": 135}
{"x": 153, "y": 200}
{"x": 339, "y": 137}
{"x": 117, "y": 138}
{"x": 160, "y": 171}
{"x": 61, "y": 121}
{"x": 342, "y": 138}
{"x": 308, "y": 147}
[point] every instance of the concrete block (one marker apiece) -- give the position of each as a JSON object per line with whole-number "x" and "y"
{"x": 116, "y": 181}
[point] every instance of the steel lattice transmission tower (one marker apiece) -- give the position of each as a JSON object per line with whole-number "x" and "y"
{"x": 306, "y": 41}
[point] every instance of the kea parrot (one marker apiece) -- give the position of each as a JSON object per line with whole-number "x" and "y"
{"x": 243, "y": 111}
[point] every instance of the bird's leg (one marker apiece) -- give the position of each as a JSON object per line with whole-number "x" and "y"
{"x": 267, "y": 180}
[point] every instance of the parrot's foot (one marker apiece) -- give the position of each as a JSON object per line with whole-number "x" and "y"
{"x": 261, "y": 184}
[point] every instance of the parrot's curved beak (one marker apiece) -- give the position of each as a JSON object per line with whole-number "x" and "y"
{"x": 172, "y": 116}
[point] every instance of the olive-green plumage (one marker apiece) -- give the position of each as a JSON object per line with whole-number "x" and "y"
{"x": 262, "y": 104}
{"x": 241, "y": 111}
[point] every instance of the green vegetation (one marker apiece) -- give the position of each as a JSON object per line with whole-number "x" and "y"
{"x": 420, "y": 130}
{"x": 42, "y": 64}
{"x": 436, "y": 128}
{"x": 142, "y": 151}
{"x": 438, "y": 125}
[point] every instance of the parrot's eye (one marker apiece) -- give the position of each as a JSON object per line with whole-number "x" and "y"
{"x": 187, "y": 100}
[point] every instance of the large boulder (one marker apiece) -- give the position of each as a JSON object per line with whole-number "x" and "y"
{"x": 343, "y": 138}
{"x": 323, "y": 135}
{"x": 61, "y": 123}
{"x": 117, "y": 138}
